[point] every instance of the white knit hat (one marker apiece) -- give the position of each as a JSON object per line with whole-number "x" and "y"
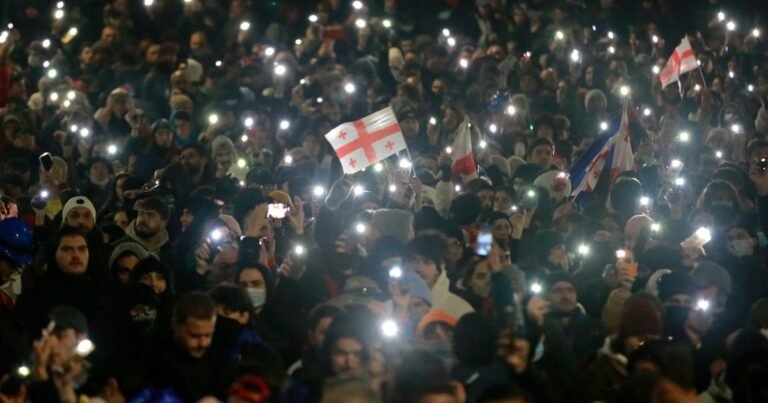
{"x": 77, "y": 201}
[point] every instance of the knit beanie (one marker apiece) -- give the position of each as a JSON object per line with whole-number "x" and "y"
{"x": 395, "y": 223}
{"x": 709, "y": 274}
{"x": 77, "y": 201}
{"x": 594, "y": 93}
{"x": 675, "y": 283}
{"x": 545, "y": 240}
{"x": 222, "y": 143}
{"x": 127, "y": 247}
{"x": 559, "y": 277}
{"x": 527, "y": 172}
{"x": 640, "y": 318}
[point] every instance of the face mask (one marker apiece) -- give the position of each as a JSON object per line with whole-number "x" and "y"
{"x": 741, "y": 247}
{"x": 258, "y": 296}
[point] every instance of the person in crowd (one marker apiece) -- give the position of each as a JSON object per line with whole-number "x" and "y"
{"x": 322, "y": 201}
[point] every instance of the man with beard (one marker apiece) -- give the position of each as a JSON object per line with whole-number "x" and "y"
{"x": 80, "y": 214}
{"x": 149, "y": 228}
{"x": 187, "y": 363}
{"x": 194, "y": 158}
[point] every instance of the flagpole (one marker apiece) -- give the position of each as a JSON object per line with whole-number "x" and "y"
{"x": 703, "y": 81}
{"x": 408, "y": 153}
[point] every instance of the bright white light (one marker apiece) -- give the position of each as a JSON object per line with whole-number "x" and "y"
{"x": 655, "y": 70}
{"x": 559, "y": 35}
{"x": 218, "y": 63}
{"x": 395, "y": 272}
{"x": 463, "y": 63}
{"x": 284, "y": 124}
{"x": 213, "y": 119}
{"x": 73, "y": 128}
{"x": 448, "y": 150}
{"x": 84, "y": 347}
{"x": 457, "y": 188}
{"x": 3, "y": 36}
{"x": 583, "y": 249}
{"x": 280, "y": 70}
{"x": 603, "y": 126}
{"x": 244, "y": 138}
{"x": 288, "y": 159}
{"x": 731, "y": 25}
{"x": 451, "y": 41}
{"x": 319, "y": 100}
{"x": 389, "y": 328}
{"x": 248, "y": 122}
{"x": 58, "y": 14}
{"x": 148, "y": 3}
{"x": 298, "y": 41}
{"x": 242, "y": 184}
{"x": 536, "y": 288}
{"x": 624, "y": 90}
{"x": 378, "y": 167}
{"x": 54, "y": 96}
{"x": 621, "y": 254}
{"x": 645, "y": 201}
{"x": 493, "y": 128}
{"x": 679, "y": 181}
{"x": 52, "y": 73}
{"x": 299, "y": 250}
{"x": 446, "y": 32}
{"x": 59, "y": 4}
{"x": 530, "y": 194}
{"x": 360, "y": 23}
{"x": 387, "y": 23}
{"x": 594, "y": 28}
{"x": 241, "y": 162}
{"x": 23, "y": 371}
{"x": 269, "y": 52}
{"x": 721, "y": 16}
{"x": 350, "y": 88}
{"x": 358, "y": 190}
{"x": 511, "y": 110}
{"x": 647, "y": 112}
{"x": 731, "y": 74}
{"x": 702, "y": 305}
{"x": 360, "y": 228}
{"x": 684, "y": 137}
{"x": 676, "y": 164}
{"x": 112, "y": 149}
{"x": 704, "y": 234}
{"x": 404, "y": 164}
{"x": 71, "y": 95}
{"x": 611, "y": 50}
{"x": 719, "y": 154}
{"x": 483, "y": 144}
{"x": 756, "y": 33}
{"x": 67, "y": 103}
{"x": 611, "y": 35}
{"x": 655, "y": 39}
{"x": 655, "y": 227}
{"x": 312, "y": 18}
{"x": 697, "y": 87}
{"x": 85, "y": 132}
{"x": 736, "y": 128}
{"x": 216, "y": 235}
{"x": 392, "y": 188}
{"x": 575, "y": 56}
{"x": 433, "y": 120}
{"x": 318, "y": 191}
{"x": 44, "y": 194}
{"x": 751, "y": 88}
{"x": 357, "y": 4}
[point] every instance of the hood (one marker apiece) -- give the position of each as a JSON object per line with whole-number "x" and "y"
{"x": 192, "y": 133}
{"x": 152, "y": 244}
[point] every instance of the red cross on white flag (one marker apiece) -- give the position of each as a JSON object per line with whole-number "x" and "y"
{"x": 680, "y": 62}
{"x": 364, "y": 142}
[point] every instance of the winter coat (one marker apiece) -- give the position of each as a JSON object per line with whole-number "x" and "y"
{"x": 446, "y": 301}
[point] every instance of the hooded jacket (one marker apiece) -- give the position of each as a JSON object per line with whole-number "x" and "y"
{"x": 443, "y": 299}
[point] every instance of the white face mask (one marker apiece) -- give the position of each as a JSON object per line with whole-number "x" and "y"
{"x": 258, "y": 296}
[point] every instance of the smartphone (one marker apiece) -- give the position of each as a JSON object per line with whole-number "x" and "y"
{"x": 276, "y": 210}
{"x": 484, "y": 242}
{"x": 46, "y": 161}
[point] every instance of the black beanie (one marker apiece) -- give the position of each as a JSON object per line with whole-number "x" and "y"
{"x": 545, "y": 240}
{"x": 150, "y": 265}
{"x": 527, "y": 172}
{"x": 558, "y": 277}
{"x": 675, "y": 283}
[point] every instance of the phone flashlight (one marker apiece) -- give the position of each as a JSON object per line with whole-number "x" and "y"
{"x": 536, "y": 288}
{"x": 44, "y": 194}
{"x": 583, "y": 249}
{"x": 433, "y": 121}
{"x": 318, "y": 191}
{"x": 395, "y": 272}
{"x": 360, "y": 228}
{"x": 645, "y": 201}
{"x": 704, "y": 234}
{"x": 216, "y": 235}
{"x": 84, "y": 347}
{"x": 23, "y": 371}
{"x": 702, "y": 305}
{"x": 213, "y": 119}
{"x": 389, "y": 328}
{"x": 684, "y": 137}
{"x": 358, "y": 190}
{"x": 245, "y": 25}
{"x": 285, "y": 124}
{"x": 621, "y": 254}
{"x": 656, "y": 227}
{"x": 112, "y": 149}
{"x": 679, "y": 181}
{"x": 298, "y": 250}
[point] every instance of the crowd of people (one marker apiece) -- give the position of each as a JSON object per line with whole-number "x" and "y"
{"x": 175, "y": 227}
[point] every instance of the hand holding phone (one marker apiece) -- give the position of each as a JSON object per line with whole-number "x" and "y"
{"x": 46, "y": 161}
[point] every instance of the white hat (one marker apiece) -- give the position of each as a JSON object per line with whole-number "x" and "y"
{"x": 77, "y": 201}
